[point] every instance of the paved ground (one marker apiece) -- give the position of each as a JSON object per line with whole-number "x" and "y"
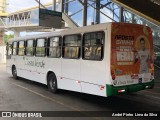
{"x": 25, "y": 95}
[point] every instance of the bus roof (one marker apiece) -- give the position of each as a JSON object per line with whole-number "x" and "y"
{"x": 97, "y": 27}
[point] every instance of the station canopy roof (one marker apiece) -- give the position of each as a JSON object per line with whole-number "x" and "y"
{"x": 148, "y": 9}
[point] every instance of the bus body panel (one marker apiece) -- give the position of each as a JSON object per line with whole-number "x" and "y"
{"x": 8, "y": 68}
{"x": 107, "y": 53}
{"x": 93, "y": 89}
{"x": 30, "y": 68}
{"x": 68, "y": 84}
{"x": 71, "y": 69}
{"x": 9, "y": 64}
{"x": 70, "y": 74}
{"x": 95, "y": 74}
{"x": 86, "y": 76}
{"x": 53, "y": 65}
{"x": 41, "y": 67}
{"x": 20, "y": 65}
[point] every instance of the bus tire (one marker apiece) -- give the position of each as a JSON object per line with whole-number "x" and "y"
{"x": 52, "y": 83}
{"x": 14, "y": 72}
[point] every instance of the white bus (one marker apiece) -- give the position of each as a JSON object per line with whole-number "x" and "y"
{"x": 104, "y": 59}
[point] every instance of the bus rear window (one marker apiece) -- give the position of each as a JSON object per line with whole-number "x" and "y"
{"x": 71, "y": 46}
{"x": 93, "y": 44}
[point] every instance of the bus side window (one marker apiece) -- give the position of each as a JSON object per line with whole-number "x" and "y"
{"x": 71, "y": 46}
{"x": 14, "y": 48}
{"x": 29, "y": 47}
{"x": 54, "y": 47}
{"x": 21, "y": 48}
{"x": 93, "y": 46}
{"x": 41, "y": 47}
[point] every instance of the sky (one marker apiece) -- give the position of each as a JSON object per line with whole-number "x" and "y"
{"x": 15, "y": 5}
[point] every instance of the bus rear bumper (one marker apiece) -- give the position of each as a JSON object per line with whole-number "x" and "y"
{"x": 112, "y": 90}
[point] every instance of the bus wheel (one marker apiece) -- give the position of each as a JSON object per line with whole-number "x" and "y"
{"x": 52, "y": 83}
{"x": 14, "y": 72}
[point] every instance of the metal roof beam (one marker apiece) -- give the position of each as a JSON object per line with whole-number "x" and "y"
{"x": 40, "y": 4}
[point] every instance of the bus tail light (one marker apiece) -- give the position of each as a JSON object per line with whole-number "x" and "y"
{"x": 152, "y": 76}
{"x": 101, "y": 87}
{"x": 77, "y": 81}
{"x": 120, "y": 91}
{"x": 134, "y": 76}
{"x": 113, "y": 77}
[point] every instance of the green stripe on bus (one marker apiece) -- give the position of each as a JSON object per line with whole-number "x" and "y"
{"x": 112, "y": 90}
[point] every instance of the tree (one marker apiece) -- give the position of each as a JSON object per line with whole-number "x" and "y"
{"x": 7, "y": 37}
